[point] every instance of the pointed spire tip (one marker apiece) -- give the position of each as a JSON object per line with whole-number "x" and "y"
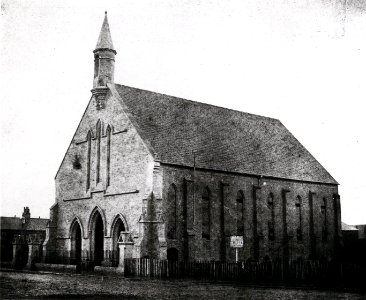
{"x": 105, "y": 39}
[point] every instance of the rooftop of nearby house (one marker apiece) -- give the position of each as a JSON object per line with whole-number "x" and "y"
{"x": 348, "y": 227}
{"x": 24, "y": 223}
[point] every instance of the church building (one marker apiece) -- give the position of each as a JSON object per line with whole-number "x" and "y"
{"x": 179, "y": 178}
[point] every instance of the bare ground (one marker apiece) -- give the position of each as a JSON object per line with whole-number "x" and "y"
{"x": 16, "y": 285}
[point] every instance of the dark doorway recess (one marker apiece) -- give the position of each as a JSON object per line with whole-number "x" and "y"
{"x": 98, "y": 240}
{"x": 76, "y": 243}
{"x": 172, "y": 254}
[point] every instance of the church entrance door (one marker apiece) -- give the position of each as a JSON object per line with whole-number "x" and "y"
{"x": 98, "y": 240}
{"x": 76, "y": 243}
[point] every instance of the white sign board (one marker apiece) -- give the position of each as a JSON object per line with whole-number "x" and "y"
{"x": 236, "y": 241}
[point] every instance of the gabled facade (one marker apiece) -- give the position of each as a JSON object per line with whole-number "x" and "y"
{"x": 182, "y": 177}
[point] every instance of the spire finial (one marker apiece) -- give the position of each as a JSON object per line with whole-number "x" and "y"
{"x": 105, "y": 12}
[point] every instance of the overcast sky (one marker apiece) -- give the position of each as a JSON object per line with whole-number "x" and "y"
{"x": 303, "y": 62}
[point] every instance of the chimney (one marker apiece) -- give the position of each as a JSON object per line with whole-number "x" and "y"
{"x": 26, "y": 214}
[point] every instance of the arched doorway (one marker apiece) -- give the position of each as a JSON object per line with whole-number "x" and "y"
{"x": 172, "y": 254}
{"x": 98, "y": 237}
{"x": 118, "y": 227}
{"x": 76, "y": 243}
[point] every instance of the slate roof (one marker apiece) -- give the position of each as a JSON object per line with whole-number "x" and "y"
{"x": 15, "y": 223}
{"x": 12, "y": 223}
{"x": 37, "y": 224}
{"x": 223, "y": 139}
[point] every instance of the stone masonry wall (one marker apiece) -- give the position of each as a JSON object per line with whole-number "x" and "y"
{"x": 131, "y": 176}
{"x": 257, "y": 213}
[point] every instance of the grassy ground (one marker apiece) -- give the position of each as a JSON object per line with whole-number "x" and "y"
{"x": 66, "y": 286}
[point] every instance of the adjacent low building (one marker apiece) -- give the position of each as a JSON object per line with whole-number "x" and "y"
{"x": 354, "y": 243}
{"x": 13, "y": 228}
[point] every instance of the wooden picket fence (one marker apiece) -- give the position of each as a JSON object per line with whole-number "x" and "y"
{"x": 297, "y": 272}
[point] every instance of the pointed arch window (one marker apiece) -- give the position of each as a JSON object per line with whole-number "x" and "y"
{"x": 240, "y": 213}
{"x": 98, "y": 134}
{"x": 206, "y": 214}
{"x": 271, "y": 221}
{"x": 298, "y": 205}
{"x": 108, "y": 166}
{"x": 323, "y": 210}
{"x": 172, "y": 212}
{"x": 88, "y": 138}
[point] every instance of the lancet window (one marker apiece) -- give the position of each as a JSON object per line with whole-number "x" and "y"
{"x": 88, "y": 138}
{"x": 98, "y": 135}
{"x": 298, "y": 205}
{"x": 172, "y": 212}
{"x": 206, "y": 214}
{"x": 323, "y": 210}
{"x": 108, "y": 165}
{"x": 240, "y": 213}
{"x": 271, "y": 221}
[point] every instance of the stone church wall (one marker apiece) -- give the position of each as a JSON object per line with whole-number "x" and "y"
{"x": 285, "y": 240}
{"x": 130, "y": 175}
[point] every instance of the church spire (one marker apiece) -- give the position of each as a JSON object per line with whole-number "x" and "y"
{"x": 104, "y": 55}
{"x": 105, "y": 39}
